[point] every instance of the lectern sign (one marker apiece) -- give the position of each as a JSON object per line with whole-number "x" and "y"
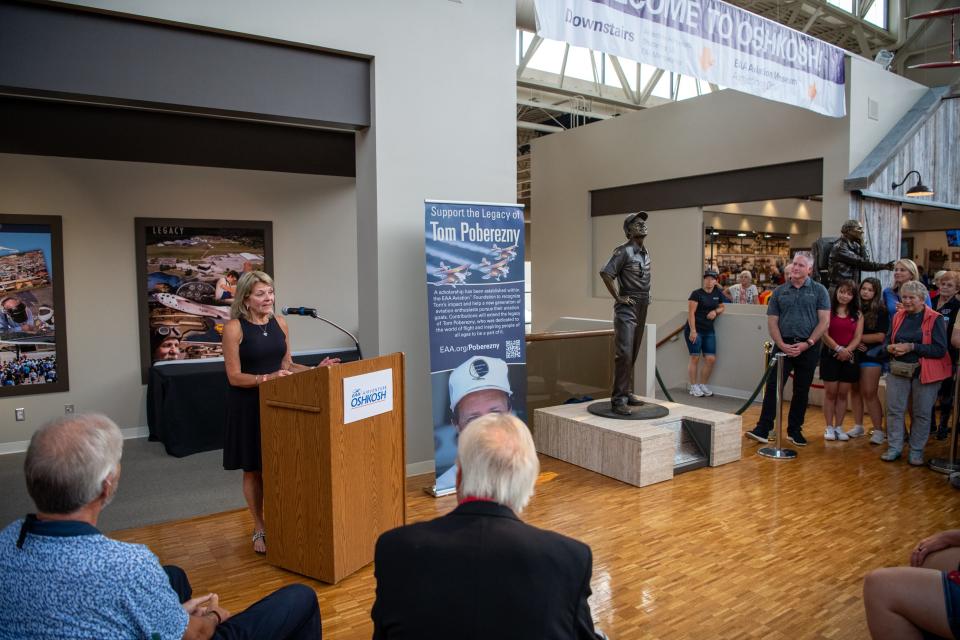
{"x": 367, "y": 395}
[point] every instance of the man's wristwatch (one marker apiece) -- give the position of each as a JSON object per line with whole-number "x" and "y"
{"x": 810, "y": 341}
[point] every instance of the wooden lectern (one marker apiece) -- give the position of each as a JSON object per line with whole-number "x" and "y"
{"x": 329, "y": 488}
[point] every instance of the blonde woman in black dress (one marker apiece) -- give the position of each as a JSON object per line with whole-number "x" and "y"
{"x": 256, "y": 348}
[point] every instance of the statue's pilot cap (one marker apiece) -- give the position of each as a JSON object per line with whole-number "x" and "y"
{"x": 642, "y": 215}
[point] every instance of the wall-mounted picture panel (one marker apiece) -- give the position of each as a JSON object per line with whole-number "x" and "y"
{"x": 33, "y": 330}
{"x": 187, "y": 272}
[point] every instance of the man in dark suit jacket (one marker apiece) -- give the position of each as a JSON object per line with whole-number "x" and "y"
{"x": 479, "y": 572}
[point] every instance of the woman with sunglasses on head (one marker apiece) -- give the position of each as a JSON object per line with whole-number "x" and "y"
{"x": 256, "y": 348}
{"x": 904, "y": 270}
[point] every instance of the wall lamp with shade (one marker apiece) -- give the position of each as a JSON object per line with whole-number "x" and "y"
{"x": 916, "y": 191}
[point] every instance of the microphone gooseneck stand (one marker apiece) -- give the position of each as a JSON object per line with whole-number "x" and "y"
{"x": 313, "y": 314}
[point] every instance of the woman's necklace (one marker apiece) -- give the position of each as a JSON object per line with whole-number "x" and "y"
{"x": 263, "y": 327}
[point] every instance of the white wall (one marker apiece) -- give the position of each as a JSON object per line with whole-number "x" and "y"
{"x": 680, "y": 262}
{"x": 741, "y": 332}
{"x": 443, "y": 91}
{"x": 314, "y": 229}
{"x": 716, "y": 132}
{"x": 894, "y": 96}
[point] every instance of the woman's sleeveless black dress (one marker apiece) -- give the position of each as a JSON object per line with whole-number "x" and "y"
{"x": 261, "y": 351}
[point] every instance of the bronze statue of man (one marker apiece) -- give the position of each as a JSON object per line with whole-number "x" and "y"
{"x": 848, "y": 256}
{"x": 630, "y": 268}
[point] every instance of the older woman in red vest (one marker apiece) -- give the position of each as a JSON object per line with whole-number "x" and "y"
{"x": 917, "y": 344}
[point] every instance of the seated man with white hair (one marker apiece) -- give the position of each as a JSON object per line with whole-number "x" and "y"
{"x": 479, "y": 571}
{"x": 62, "y": 578}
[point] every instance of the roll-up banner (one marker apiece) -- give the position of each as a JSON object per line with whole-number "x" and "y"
{"x": 475, "y": 297}
{"x": 707, "y": 39}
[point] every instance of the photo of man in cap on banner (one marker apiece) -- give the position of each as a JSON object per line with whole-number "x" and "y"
{"x": 478, "y": 386}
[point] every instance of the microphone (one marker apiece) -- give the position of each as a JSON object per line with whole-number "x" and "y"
{"x": 298, "y": 311}
{"x": 312, "y": 313}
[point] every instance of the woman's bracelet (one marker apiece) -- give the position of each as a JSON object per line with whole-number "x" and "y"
{"x": 219, "y": 619}
{"x": 258, "y": 379}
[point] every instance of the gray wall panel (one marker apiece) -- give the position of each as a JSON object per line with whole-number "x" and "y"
{"x": 789, "y": 180}
{"x": 52, "y": 51}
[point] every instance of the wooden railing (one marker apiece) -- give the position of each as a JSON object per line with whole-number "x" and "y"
{"x": 566, "y": 335}
{"x": 672, "y": 333}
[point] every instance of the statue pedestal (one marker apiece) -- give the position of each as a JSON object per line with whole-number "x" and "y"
{"x": 638, "y": 452}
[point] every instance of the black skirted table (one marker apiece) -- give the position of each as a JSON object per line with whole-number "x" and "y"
{"x": 187, "y": 402}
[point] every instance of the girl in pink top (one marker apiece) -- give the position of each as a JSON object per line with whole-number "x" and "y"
{"x": 838, "y": 370}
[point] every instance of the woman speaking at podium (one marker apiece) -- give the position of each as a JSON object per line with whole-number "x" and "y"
{"x": 256, "y": 348}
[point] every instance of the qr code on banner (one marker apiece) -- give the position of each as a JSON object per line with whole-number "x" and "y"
{"x": 513, "y": 349}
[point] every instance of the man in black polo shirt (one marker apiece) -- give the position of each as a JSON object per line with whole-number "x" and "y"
{"x": 797, "y": 315}
{"x": 629, "y": 266}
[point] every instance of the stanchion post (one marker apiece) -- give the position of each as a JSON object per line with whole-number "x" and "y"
{"x": 949, "y": 465}
{"x": 777, "y": 452}
{"x": 767, "y": 350}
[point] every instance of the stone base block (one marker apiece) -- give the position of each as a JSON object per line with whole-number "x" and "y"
{"x": 635, "y": 452}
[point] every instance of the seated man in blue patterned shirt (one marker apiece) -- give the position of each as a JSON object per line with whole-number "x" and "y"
{"x": 62, "y": 578}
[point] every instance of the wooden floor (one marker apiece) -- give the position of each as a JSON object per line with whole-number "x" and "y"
{"x": 754, "y": 549}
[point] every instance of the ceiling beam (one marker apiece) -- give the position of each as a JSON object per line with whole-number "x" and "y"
{"x": 864, "y": 8}
{"x": 622, "y": 77}
{"x": 861, "y": 37}
{"x": 561, "y": 109}
{"x": 538, "y": 84}
{"x": 813, "y": 18}
{"x": 563, "y": 65}
{"x": 651, "y": 85}
{"x": 596, "y": 76}
{"x": 536, "y": 126}
{"x": 531, "y": 50}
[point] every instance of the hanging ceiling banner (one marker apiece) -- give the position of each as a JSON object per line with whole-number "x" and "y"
{"x": 707, "y": 39}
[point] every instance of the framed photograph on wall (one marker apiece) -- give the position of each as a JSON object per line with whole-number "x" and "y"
{"x": 33, "y": 329}
{"x": 187, "y": 272}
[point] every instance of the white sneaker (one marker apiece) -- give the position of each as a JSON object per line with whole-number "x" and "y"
{"x": 841, "y": 435}
{"x": 877, "y": 437}
{"x": 856, "y": 432}
{"x": 706, "y": 390}
{"x": 830, "y": 434}
{"x": 695, "y": 391}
